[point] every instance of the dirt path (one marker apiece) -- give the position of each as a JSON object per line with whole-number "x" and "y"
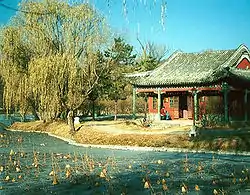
{"x": 119, "y": 127}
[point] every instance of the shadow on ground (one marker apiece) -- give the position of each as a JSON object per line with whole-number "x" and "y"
{"x": 108, "y": 117}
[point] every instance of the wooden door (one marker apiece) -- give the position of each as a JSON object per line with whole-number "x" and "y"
{"x": 176, "y": 106}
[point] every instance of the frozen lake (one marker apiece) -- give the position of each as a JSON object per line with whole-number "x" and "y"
{"x": 31, "y": 162}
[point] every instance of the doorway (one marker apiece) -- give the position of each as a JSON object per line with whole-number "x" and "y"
{"x": 183, "y": 107}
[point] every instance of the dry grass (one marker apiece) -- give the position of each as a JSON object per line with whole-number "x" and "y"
{"x": 87, "y": 134}
{"x": 129, "y": 134}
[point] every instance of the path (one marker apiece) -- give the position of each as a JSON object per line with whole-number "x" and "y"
{"x": 119, "y": 127}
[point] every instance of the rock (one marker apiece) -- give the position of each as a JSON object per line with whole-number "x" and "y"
{"x": 193, "y": 131}
{"x": 76, "y": 120}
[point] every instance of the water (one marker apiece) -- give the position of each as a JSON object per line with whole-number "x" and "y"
{"x": 36, "y": 155}
{"x": 28, "y": 159}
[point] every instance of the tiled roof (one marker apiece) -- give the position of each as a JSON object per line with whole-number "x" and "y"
{"x": 185, "y": 69}
{"x": 139, "y": 74}
{"x": 240, "y": 74}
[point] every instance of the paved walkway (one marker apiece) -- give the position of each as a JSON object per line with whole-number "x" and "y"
{"x": 174, "y": 122}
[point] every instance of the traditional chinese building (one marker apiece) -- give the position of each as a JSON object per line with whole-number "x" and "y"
{"x": 190, "y": 85}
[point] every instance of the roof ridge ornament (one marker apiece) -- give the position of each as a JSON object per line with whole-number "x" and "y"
{"x": 237, "y": 51}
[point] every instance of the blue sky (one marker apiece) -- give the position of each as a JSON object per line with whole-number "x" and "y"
{"x": 190, "y": 25}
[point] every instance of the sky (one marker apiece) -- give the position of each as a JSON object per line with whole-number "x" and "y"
{"x": 187, "y": 25}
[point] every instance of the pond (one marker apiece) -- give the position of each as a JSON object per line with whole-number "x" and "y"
{"x": 35, "y": 163}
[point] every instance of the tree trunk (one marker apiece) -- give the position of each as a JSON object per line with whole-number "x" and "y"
{"x": 116, "y": 102}
{"x": 36, "y": 116}
{"x": 145, "y": 107}
{"x": 71, "y": 121}
{"x": 22, "y": 117}
{"x": 93, "y": 110}
{"x": 34, "y": 111}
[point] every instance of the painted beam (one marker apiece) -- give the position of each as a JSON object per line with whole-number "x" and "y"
{"x": 177, "y": 89}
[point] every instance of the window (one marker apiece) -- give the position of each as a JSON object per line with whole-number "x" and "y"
{"x": 155, "y": 103}
{"x": 171, "y": 102}
{"x": 166, "y": 100}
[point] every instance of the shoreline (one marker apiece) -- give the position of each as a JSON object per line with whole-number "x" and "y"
{"x": 135, "y": 148}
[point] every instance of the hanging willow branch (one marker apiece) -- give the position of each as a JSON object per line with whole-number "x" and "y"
{"x": 49, "y": 59}
{"x": 163, "y": 13}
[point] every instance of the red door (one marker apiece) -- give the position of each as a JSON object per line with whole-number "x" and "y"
{"x": 176, "y": 106}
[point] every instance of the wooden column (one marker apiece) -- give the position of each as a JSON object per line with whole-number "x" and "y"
{"x": 133, "y": 102}
{"x": 225, "y": 90}
{"x": 193, "y": 129}
{"x": 195, "y": 106}
{"x": 196, "y": 117}
{"x": 159, "y": 104}
{"x": 145, "y": 105}
{"x": 245, "y": 105}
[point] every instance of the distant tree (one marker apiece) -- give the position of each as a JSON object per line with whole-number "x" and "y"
{"x": 151, "y": 55}
{"x": 49, "y": 57}
{"x": 121, "y": 60}
{"x": 156, "y": 51}
{"x": 99, "y": 88}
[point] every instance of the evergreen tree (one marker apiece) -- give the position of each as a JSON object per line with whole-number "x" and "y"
{"x": 121, "y": 59}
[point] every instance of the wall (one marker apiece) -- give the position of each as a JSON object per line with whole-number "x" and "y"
{"x": 171, "y": 104}
{"x": 244, "y": 64}
{"x": 151, "y": 107}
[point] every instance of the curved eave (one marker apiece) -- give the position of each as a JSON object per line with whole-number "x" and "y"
{"x": 239, "y": 77}
{"x": 183, "y": 84}
{"x": 210, "y": 79}
{"x": 206, "y": 73}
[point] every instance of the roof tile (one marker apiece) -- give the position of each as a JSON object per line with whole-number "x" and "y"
{"x": 183, "y": 69}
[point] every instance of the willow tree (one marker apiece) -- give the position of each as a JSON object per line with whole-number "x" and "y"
{"x": 14, "y": 70}
{"x": 61, "y": 69}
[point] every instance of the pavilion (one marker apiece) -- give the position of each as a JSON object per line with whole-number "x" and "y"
{"x": 186, "y": 83}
